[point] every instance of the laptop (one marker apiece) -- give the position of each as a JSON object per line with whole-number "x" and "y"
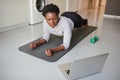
{"x": 84, "y": 67}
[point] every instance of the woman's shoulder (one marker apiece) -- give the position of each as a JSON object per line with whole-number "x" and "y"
{"x": 63, "y": 18}
{"x": 66, "y": 21}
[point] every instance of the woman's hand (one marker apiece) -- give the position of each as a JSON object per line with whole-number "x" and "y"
{"x": 33, "y": 46}
{"x": 48, "y": 52}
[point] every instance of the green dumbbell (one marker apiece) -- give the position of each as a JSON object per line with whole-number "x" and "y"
{"x": 94, "y": 39}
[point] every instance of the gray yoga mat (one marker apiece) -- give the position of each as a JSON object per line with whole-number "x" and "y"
{"x": 77, "y": 35}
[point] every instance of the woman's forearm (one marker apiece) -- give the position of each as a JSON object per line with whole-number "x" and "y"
{"x": 41, "y": 41}
{"x": 59, "y": 48}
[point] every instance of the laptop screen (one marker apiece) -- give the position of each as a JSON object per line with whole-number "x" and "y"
{"x": 83, "y": 67}
{"x": 86, "y": 67}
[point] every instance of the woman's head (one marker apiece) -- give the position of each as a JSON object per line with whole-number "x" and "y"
{"x": 50, "y": 8}
{"x": 51, "y": 12}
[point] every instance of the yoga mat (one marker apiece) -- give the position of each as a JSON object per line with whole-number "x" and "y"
{"x": 77, "y": 35}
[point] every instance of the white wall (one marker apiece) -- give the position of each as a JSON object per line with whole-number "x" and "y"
{"x": 60, "y": 3}
{"x": 16, "y": 12}
{"x": 66, "y": 5}
{"x": 73, "y": 5}
{"x": 13, "y": 12}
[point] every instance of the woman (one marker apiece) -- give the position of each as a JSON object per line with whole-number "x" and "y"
{"x": 60, "y": 26}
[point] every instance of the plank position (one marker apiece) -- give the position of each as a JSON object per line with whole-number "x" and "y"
{"x": 60, "y": 26}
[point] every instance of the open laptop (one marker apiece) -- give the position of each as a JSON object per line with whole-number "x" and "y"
{"x": 84, "y": 67}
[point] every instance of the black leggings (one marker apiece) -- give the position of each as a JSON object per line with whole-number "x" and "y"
{"x": 76, "y": 18}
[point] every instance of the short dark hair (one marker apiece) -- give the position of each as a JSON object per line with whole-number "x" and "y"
{"x": 50, "y": 8}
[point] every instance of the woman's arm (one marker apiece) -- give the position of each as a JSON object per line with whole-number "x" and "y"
{"x": 36, "y": 44}
{"x": 43, "y": 40}
{"x": 66, "y": 42}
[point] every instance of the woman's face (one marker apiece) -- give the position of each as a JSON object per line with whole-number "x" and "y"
{"x": 52, "y": 19}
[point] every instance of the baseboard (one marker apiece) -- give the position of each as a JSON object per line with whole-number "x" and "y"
{"x": 13, "y": 27}
{"x": 111, "y": 16}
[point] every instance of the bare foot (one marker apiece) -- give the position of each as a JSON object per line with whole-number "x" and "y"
{"x": 33, "y": 46}
{"x": 48, "y": 52}
{"x": 86, "y": 22}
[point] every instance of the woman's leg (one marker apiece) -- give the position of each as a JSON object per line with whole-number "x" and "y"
{"x": 76, "y": 18}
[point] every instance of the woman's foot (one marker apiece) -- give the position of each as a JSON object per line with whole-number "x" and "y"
{"x": 86, "y": 22}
